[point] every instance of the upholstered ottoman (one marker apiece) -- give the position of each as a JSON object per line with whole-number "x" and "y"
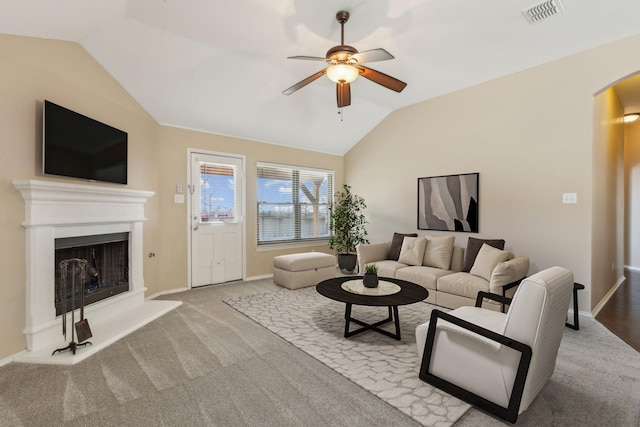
{"x": 305, "y": 269}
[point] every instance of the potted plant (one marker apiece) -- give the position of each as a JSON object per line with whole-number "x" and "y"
{"x": 347, "y": 223}
{"x": 370, "y": 278}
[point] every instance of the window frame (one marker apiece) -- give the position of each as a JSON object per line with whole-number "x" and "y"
{"x": 296, "y": 204}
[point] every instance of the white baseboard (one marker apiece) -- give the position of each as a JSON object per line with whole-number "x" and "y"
{"x": 11, "y": 358}
{"x": 265, "y": 276}
{"x": 171, "y": 291}
{"x": 607, "y": 296}
{"x": 176, "y": 290}
{"x": 632, "y": 268}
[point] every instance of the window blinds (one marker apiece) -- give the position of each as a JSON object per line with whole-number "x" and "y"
{"x": 293, "y": 203}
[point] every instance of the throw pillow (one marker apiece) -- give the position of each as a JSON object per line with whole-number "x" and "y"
{"x": 396, "y": 245}
{"x": 473, "y": 247}
{"x": 438, "y": 252}
{"x": 487, "y": 259}
{"x": 412, "y": 250}
{"x": 507, "y": 272}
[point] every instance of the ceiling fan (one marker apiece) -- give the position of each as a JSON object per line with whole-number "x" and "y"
{"x": 345, "y": 65}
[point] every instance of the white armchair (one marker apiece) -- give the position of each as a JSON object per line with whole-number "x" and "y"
{"x": 498, "y": 362}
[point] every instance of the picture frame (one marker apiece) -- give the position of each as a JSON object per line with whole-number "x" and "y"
{"x": 449, "y": 202}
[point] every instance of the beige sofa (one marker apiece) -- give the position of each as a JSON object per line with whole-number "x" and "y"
{"x": 436, "y": 263}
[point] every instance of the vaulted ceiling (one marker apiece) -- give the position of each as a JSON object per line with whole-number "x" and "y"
{"x": 221, "y": 66}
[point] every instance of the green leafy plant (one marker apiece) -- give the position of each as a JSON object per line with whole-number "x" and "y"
{"x": 347, "y": 222}
{"x": 371, "y": 269}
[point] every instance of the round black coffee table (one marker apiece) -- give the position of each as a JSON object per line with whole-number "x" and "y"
{"x": 409, "y": 293}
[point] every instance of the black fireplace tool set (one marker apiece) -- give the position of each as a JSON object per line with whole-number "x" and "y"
{"x": 74, "y": 267}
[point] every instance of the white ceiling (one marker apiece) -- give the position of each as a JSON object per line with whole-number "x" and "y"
{"x": 220, "y": 66}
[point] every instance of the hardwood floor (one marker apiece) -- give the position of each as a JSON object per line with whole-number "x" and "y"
{"x": 621, "y": 314}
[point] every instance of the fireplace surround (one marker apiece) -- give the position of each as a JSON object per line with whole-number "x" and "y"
{"x": 58, "y": 210}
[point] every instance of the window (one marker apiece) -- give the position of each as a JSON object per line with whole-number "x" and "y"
{"x": 217, "y": 192}
{"x": 293, "y": 203}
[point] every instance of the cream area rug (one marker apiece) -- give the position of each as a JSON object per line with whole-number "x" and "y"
{"x": 384, "y": 366}
{"x": 596, "y": 381}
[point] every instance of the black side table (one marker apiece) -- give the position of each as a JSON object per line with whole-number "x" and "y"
{"x": 576, "y": 323}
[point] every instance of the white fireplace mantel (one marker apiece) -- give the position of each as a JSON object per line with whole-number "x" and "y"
{"x": 56, "y": 210}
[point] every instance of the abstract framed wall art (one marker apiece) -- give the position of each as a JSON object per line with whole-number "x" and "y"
{"x": 448, "y": 203}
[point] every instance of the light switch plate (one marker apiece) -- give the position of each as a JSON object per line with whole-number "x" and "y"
{"x": 178, "y": 198}
{"x": 569, "y": 198}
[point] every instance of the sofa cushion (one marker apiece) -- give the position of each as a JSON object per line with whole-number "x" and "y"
{"x": 508, "y": 272}
{"x": 462, "y": 284}
{"x": 396, "y": 245}
{"x": 426, "y": 277}
{"x": 438, "y": 252}
{"x": 388, "y": 268}
{"x": 412, "y": 251}
{"x": 457, "y": 259}
{"x": 473, "y": 247}
{"x": 487, "y": 259}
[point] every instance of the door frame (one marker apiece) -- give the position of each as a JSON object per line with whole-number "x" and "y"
{"x": 190, "y": 189}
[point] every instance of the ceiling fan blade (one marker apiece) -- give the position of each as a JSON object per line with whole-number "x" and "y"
{"x": 372, "y": 55}
{"x": 382, "y": 79}
{"x": 343, "y": 93}
{"x": 308, "y": 58}
{"x": 304, "y": 82}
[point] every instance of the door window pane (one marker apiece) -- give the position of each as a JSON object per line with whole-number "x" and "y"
{"x": 217, "y": 192}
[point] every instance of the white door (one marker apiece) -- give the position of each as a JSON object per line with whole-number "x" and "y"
{"x": 216, "y": 219}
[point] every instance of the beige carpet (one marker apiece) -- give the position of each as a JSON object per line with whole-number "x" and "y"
{"x": 202, "y": 364}
{"x": 205, "y": 364}
{"x": 596, "y": 382}
{"x": 381, "y": 365}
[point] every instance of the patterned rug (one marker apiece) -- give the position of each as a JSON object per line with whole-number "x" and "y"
{"x": 381, "y": 365}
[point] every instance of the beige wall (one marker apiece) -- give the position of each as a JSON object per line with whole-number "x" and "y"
{"x": 608, "y": 219}
{"x": 632, "y": 194}
{"x": 62, "y": 72}
{"x": 529, "y": 135}
{"x": 174, "y": 144}
{"x": 34, "y": 70}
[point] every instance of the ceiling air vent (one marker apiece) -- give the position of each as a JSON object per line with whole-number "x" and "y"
{"x": 543, "y": 11}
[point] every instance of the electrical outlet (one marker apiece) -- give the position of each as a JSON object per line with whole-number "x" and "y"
{"x": 569, "y": 198}
{"x": 178, "y": 198}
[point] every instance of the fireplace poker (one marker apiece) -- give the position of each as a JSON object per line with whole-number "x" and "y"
{"x": 63, "y": 298}
{"x": 82, "y": 265}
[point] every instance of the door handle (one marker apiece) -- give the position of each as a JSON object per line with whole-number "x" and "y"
{"x": 196, "y": 227}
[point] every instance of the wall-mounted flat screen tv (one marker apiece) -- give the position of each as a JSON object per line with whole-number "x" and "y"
{"x": 80, "y": 147}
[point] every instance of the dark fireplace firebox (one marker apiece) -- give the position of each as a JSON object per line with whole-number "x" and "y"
{"x": 107, "y": 256}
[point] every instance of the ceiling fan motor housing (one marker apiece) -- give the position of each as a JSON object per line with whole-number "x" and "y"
{"x": 341, "y": 53}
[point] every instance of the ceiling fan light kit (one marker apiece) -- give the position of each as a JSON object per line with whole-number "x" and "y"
{"x": 342, "y": 73}
{"x": 345, "y": 65}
